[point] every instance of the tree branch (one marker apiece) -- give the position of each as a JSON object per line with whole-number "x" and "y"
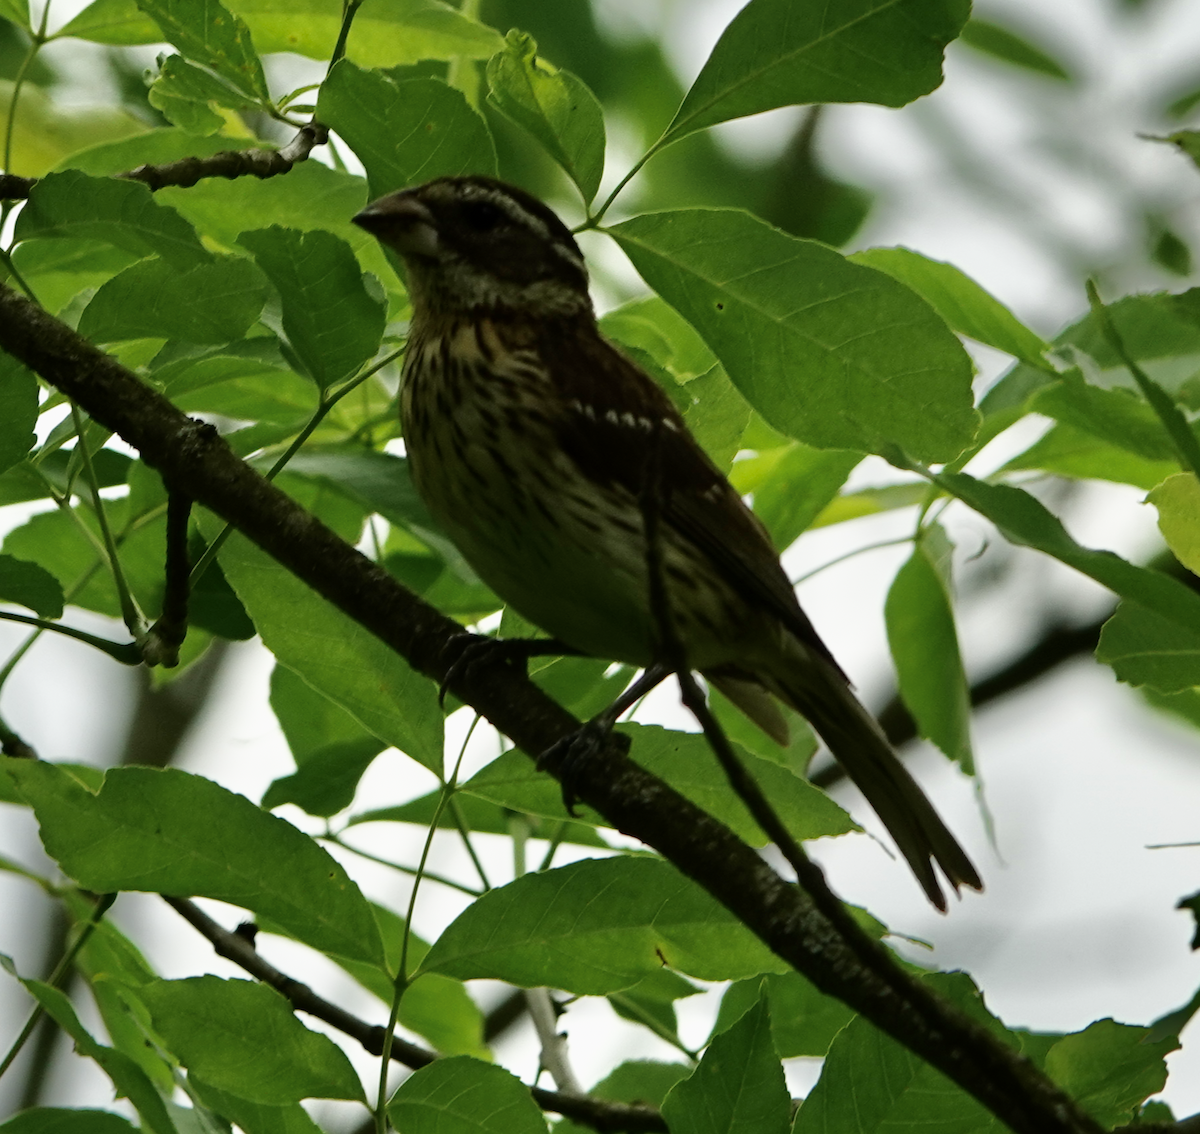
{"x": 236, "y": 947}
{"x": 183, "y": 174}
{"x": 193, "y": 459}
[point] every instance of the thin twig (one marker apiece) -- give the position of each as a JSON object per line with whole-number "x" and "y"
{"x": 596, "y": 1113}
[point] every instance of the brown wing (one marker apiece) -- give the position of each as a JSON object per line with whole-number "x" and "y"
{"x": 612, "y": 414}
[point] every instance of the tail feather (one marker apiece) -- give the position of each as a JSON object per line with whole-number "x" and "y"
{"x": 859, "y": 745}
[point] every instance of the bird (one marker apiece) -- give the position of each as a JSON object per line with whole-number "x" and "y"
{"x": 536, "y": 443}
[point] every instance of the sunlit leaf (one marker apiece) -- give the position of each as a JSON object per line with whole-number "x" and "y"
{"x": 738, "y": 1084}
{"x": 831, "y": 353}
{"x": 1145, "y": 648}
{"x": 1178, "y": 502}
{"x": 208, "y": 33}
{"x": 216, "y": 301}
{"x": 405, "y": 132}
{"x": 553, "y": 105}
{"x": 123, "y": 213}
{"x": 461, "y": 1095}
{"x": 333, "y": 322}
{"x": 924, "y": 645}
{"x": 335, "y": 655}
{"x": 596, "y": 927}
{"x": 778, "y": 53}
{"x": 151, "y": 829}
{"x": 244, "y": 1038}
{"x": 966, "y": 307}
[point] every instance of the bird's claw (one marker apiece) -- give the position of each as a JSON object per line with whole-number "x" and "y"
{"x": 573, "y": 751}
{"x": 476, "y": 649}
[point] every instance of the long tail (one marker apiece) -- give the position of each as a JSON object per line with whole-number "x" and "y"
{"x": 815, "y": 690}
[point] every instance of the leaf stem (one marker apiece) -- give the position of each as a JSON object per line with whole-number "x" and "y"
{"x": 134, "y": 621}
{"x": 402, "y": 975}
{"x": 327, "y": 402}
{"x": 1186, "y": 444}
{"x": 127, "y": 653}
{"x": 103, "y": 902}
{"x": 349, "y": 11}
{"x": 337, "y": 841}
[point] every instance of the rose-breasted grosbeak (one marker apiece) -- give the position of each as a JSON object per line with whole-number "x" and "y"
{"x": 533, "y": 441}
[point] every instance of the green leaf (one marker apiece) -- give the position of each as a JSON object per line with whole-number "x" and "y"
{"x": 386, "y": 33}
{"x": 660, "y": 340}
{"x": 687, "y": 763}
{"x": 58, "y": 270}
{"x": 209, "y": 34}
{"x": 18, "y": 410}
{"x": 738, "y": 1087}
{"x": 153, "y": 830}
{"x": 1069, "y": 451}
{"x": 56, "y": 541}
{"x": 405, "y": 132}
{"x": 46, "y": 133}
{"x": 461, "y": 1095}
{"x": 1024, "y": 520}
{"x": 118, "y": 22}
{"x": 831, "y": 353}
{"x": 776, "y": 53}
{"x": 924, "y": 644}
{"x": 332, "y": 322}
{"x": 183, "y": 93}
{"x": 212, "y": 302}
{"x": 556, "y": 107}
{"x": 804, "y": 1021}
{"x": 17, "y": 11}
{"x": 128, "y": 1079}
{"x": 958, "y": 299}
{"x": 251, "y": 1117}
{"x": 59, "y": 1120}
{"x": 331, "y": 749}
{"x": 335, "y": 655}
{"x": 792, "y": 485}
{"x": 29, "y": 585}
{"x": 482, "y": 816}
{"x": 596, "y": 927}
{"x": 155, "y": 147}
{"x": 244, "y": 1038}
{"x": 870, "y": 1084}
{"x": 1188, "y": 141}
{"x": 1000, "y": 43}
{"x": 1178, "y": 502}
{"x": 638, "y": 1080}
{"x": 1144, "y": 648}
{"x": 1116, "y": 416}
{"x": 1110, "y": 1068}
{"x": 653, "y": 999}
{"x": 123, "y": 213}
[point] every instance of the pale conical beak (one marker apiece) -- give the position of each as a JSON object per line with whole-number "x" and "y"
{"x": 402, "y": 222}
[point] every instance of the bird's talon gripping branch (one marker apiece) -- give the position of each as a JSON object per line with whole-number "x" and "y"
{"x": 476, "y": 650}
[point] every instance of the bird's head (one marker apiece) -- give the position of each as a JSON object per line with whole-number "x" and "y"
{"x": 475, "y": 243}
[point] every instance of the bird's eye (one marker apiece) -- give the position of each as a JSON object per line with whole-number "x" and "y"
{"x": 483, "y": 215}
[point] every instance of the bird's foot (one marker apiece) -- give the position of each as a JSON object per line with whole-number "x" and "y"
{"x": 474, "y": 650}
{"x": 573, "y": 752}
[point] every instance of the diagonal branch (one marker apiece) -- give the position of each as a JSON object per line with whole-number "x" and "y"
{"x": 186, "y": 172}
{"x": 599, "y": 1114}
{"x": 193, "y": 459}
